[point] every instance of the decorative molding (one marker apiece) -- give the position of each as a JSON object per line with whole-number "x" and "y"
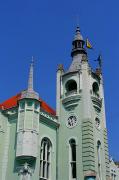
{"x": 70, "y": 73}
{"x": 2, "y": 131}
{"x": 25, "y": 171}
{"x": 10, "y": 112}
{"x": 48, "y": 116}
{"x": 46, "y": 119}
{"x": 97, "y": 103}
{"x": 72, "y": 137}
{"x": 29, "y": 95}
{"x": 71, "y": 101}
{"x": 88, "y": 156}
{"x": 90, "y": 173}
{"x": 51, "y": 140}
{"x": 106, "y": 152}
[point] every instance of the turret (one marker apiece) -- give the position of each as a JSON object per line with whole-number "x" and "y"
{"x": 78, "y": 44}
{"x": 28, "y": 121}
{"x": 78, "y": 51}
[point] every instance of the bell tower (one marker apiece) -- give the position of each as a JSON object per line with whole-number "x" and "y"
{"x": 82, "y": 136}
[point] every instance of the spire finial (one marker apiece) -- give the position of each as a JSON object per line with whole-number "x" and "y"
{"x": 30, "y": 79}
{"x": 30, "y": 93}
{"x": 32, "y": 60}
{"x": 77, "y": 20}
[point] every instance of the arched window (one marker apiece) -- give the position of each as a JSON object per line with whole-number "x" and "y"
{"x": 99, "y": 158}
{"x": 45, "y": 159}
{"x": 95, "y": 88}
{"x": 97, "y": 123}
{"x": 72, "y": 159}
{"x": 71, "y": 86}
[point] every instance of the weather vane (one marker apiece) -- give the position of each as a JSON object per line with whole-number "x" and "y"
{"x": 99, "y": 59}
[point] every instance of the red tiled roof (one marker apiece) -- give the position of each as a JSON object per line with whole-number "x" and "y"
{"x": 47, "y": 108}
{"x": 12, "y": 102}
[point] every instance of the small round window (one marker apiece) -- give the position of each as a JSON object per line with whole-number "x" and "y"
{"x": 71, "y": 85}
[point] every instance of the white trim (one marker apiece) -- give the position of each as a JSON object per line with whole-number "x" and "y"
{"x": 51, "y": 140}
{"x": 45, "y": 171}
{"x": 72, "y": 137}
{"x": 47, "y": 116}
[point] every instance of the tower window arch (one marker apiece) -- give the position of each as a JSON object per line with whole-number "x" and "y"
{"x": 95, "y": 88}
{"x": 71, "y": 86}
{"x": 72, "y": 159}
{"x": 45, "y": 159}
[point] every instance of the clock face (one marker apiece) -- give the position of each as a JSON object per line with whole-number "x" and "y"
{"x": 71, "y": 121}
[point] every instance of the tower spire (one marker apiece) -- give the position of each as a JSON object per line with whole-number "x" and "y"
{"x": 78, "y": 43}
{"x": 30, "y": 79}
{"x": 30, "y": 93}
{"x": 78, "y": 51}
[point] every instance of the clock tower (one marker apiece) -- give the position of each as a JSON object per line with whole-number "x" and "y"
{"x": 82, "y": 145}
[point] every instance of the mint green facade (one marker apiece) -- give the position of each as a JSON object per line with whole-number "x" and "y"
{"x": 10, "y": 164}
{"x": 73, "y": 145}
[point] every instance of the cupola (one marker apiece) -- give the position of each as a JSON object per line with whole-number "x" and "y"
{"x": 78, "y": 44}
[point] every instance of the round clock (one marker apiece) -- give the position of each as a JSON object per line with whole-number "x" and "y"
{"x": 71, "y": 121}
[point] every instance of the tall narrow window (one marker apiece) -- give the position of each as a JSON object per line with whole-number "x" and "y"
{"x": 72, "y": 158}
{"x": 99, "y": 158}
{"x": 45, "y": 159}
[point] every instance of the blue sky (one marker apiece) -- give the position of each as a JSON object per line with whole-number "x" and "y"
{"x": 45, "y": 30}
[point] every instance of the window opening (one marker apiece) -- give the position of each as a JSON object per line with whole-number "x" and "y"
{"x": 99, "y": 158}
{"x": 22, "y": 105}
{"x": 45, "y": 159}
{"x": 71, "y": 86}
{"x": 29, "y": 103}
{"x": 97, "y": 122}
{"x": 95, "y": 88}
{"x": 73, "y": 158}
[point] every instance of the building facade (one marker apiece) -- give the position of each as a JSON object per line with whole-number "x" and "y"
{"x": 114, "y": 169}
{"x": 37, "y": 143}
